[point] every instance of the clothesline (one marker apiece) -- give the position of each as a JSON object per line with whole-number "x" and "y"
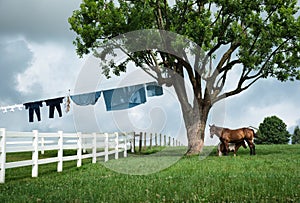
{"x": 11, "y": 108}
{"x": 115, "y": 99}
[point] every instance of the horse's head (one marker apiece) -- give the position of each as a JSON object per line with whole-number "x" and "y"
{"x": 212, "y": 130}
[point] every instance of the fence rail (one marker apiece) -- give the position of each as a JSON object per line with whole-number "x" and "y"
{"x": 99, "y": 144}
{"x": 92, "y": 146}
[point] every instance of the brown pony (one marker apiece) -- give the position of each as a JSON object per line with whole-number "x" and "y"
{"x": 233, "y": 147}
{"x": 227, "y": 136}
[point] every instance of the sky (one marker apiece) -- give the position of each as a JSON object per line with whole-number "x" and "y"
{"x": 38, "y": 61}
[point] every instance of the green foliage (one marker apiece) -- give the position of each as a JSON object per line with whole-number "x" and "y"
{"x": 296, "y": 136}
{"x": 271, "y": 176}
{"x": 266, "y": 33}
{"x": 273, "y": 131}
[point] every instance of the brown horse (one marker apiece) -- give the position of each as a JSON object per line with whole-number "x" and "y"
{"x": 227, "y": 136}
{"x": 233, "y": 147}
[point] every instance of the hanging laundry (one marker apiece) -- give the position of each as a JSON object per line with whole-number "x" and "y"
{"x": 86, "y": 99}
{"x": 54, "y": 103}
{"x": 34, "y": 107}
{"x": 124, "y": 98}
{"x": 153, "y": 89}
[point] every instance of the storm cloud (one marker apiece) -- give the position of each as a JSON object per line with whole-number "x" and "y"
{"x": 37, "y": 21}
{"x": 38, "y": 61}
{"x": 14, "y": 58}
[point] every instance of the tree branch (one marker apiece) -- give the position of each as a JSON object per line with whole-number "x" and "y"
{"x": 219, "y": 69}
{"x": 217, "y": 18}
{"x": 245, "y": 77}
{"x": 209, "y": 54}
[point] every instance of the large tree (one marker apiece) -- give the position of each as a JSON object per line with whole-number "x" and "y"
{"x": 296, "y": 136}
{"x": 273, "y": 131}
{"x": 254, "y": 38}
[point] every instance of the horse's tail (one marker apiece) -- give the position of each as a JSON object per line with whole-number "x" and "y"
{"x": 254, "y": 128}
{"x": 254, "y": 134}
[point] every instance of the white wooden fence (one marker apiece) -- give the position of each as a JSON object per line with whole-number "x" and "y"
{"x": 36, "y": 142}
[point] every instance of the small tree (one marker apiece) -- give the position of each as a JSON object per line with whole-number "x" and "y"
{"x": 296, "y": 136}
{"x": 273, "y": 131}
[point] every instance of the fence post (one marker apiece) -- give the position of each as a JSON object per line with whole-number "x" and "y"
{"x": 35, "y": 153}
{"x": 106, "y": 147}
{"x": 150, "y": 140}
{"x": 60, "y": 151}
{"x": 133, "y": 143}
{"x": 83, "y": 142}
{"x": 125, "y": 145}
{"x": 140, "y": 141}
{"x": 145, "y": 140}
{"x": 94, "y": 148}
{"x": 117, "y": 145}
{"x": 79, "y": 149}
{"x": 42, "y": 145}
{"x": 2, "y": 155}
{"x": 160, "y": 139}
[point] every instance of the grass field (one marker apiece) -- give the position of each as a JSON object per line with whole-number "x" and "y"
{"x": 273, "y": 175}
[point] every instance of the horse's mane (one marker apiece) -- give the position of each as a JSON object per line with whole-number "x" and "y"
{"x": 221, "y": 128}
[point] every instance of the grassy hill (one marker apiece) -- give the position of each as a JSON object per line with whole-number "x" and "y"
{"x": 273, "y": 175}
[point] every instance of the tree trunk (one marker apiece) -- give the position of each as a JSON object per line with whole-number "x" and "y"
{"x": 195, "y": 127}
{"x": 194, "y": 115}
{"x": 195, "y": 140}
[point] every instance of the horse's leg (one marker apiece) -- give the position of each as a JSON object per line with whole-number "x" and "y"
{"x": 253, "y": 153}
{"x": 253, "y": 147}
{"x": 235, "y": 150}
{"x": 220, "y": 149}
{"x": 250, "y": 145}
{"x": 237, "y": 146}
{"x": 250, "y": 141}
{"x": 226, "y": 145}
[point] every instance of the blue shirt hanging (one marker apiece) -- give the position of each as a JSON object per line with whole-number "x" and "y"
{"x": 153, "y": 89}
{"x": 124, "y": 98}
{"x": 86, "y": 99}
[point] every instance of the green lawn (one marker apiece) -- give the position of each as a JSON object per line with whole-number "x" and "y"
{"x": 273, "y": 175}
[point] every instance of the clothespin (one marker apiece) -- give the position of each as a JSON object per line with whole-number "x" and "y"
{"x": 12, "y": 108}
{"x": 4, "y": 109}
{"x": 68, "y": 102}
{"x": 20, "y": 107}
